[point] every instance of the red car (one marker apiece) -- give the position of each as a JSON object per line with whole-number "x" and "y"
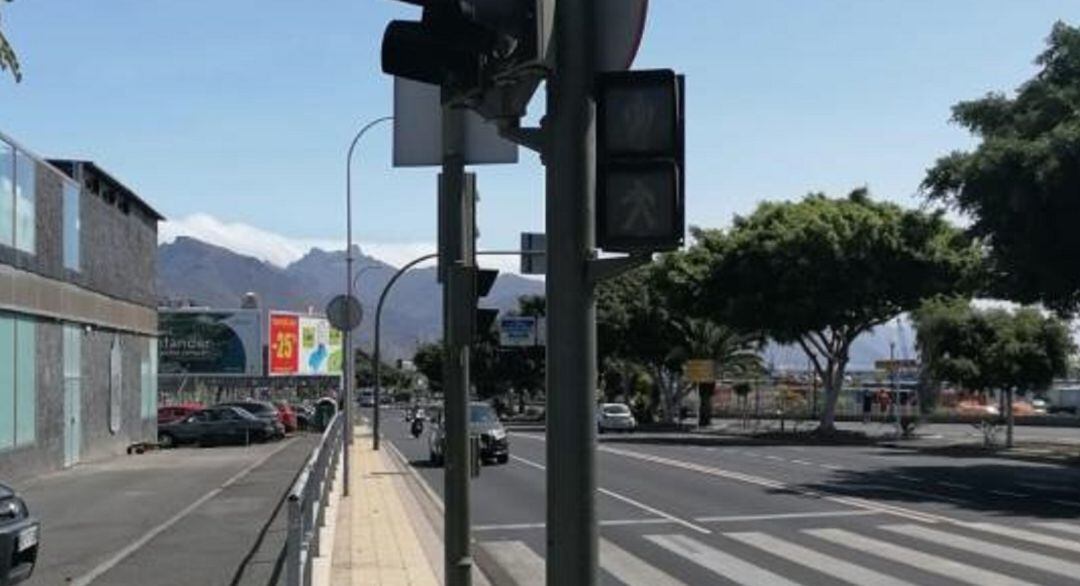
{"x": 286, "y": 415}
{"x": 171, "y": 413}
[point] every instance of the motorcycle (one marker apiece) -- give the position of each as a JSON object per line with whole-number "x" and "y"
{"x": 417, "y": 427}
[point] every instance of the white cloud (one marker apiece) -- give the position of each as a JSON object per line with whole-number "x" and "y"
{"x": 281, "y": 250}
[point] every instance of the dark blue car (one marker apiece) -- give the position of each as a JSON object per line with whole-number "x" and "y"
{"x": 19, "y": 533}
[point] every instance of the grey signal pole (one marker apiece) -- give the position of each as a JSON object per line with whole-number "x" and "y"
{"x": 456, "y": 261}
{"x": 570, "y": 153}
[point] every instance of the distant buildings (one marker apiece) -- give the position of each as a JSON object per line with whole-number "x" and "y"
{"x": 78, "y": 325}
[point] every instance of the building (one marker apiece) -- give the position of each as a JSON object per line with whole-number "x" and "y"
{"x": 78, "y": 320}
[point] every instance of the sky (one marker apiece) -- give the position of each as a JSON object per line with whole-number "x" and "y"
{"x": 232, "y": 118}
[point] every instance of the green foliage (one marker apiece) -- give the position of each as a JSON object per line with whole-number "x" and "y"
{"x": 8, "y": 59}
{"x": 819, "y": 272}
{"x": 428, "y": 360}
{"x": 1020, "y": 184}
{"x": 985, "y": 349}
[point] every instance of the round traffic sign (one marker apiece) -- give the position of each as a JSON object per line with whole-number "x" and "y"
{"x": 344, "y": 312}
{"x": 620, "y": 36}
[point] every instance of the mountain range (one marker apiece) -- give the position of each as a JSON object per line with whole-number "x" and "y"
{"x": 195, "y": 272}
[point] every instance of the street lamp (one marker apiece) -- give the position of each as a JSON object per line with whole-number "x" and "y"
{"x": 347, "y": 437}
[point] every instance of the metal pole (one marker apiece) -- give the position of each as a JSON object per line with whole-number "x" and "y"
{"x": 896, "y": 388}
{"x": 348, "y": 372}
{"x": 572, "y": 538}
{"x": 458, "y": 309}
{"x": 293, "y": 565}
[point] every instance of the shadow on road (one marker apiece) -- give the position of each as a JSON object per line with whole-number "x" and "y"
{"x": 996, "y": 489}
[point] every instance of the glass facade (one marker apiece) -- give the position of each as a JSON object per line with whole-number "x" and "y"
{"x": 71, "y": 225}
{"x": 25, "y": 199}
{"x": 18, "y": 382}
{"x": 7, "y": 194}
{"x": 148, "y": 372}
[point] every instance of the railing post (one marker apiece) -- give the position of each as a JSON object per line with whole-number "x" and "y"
{"x": 293, "y": 563}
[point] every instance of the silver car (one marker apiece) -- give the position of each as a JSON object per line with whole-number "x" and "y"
{"x": 615, "y": 417}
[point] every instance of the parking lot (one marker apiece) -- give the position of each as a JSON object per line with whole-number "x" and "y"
{"x": 174, "y": 517}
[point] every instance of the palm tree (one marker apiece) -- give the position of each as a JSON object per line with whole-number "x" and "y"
{"x": 733, "y": 354}
{"x": 8, "y": 60}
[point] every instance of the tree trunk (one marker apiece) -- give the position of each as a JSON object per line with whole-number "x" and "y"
{"x": 1009, "y": 419}
{"x": 705, "y": 397}
{"x": 833, "y": 382}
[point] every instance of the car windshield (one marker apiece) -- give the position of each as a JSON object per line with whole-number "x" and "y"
{"x": 616, "y": 410}
{"x": 482, "y": 414}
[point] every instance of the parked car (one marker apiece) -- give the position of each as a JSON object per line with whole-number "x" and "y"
{"x": 263, "y": 410}
{"x": 483, "y": 422}
{"x": 305, "y": 417}
{"x": 287, "y": 416}
{"x": 217, "y": 425}
{"x": 615, "y": 417}
{"x": 171, "y": 413}
{"x": 19, "y": 535}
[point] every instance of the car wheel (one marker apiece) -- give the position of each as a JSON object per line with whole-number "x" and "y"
{"x": 502, "y": 458}
{"x": 436, "y": 459}
{"x": 166, "y": 440}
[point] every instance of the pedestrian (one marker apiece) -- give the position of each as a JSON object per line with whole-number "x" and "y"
{"x": 867, "y": 405}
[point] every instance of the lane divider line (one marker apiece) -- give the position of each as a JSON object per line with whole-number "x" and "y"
{"x": 628, "y": 500}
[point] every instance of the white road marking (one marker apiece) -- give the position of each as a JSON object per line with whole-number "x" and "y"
{"x": 1011, "y": 494}
{"x": 907, "y": 478}
{"x": 524, "y": 566}
{"x": 541, "y": 525}
{"x": 999, "y": 552}
{"x": 832, "y": 466}
{"x": 430, "y": 492}
{"x": 915, "y": 558}
{"x": 1059, "y": 526}
{"x": 772, "y": 457}
{"x": 1043, "y": 486}
{"x": 955, "y": 485}
{"x": 912, "y": 492}
{"x": 628, "y": 501}
{"x": 777, "y": 516}
{"x": 728, "y": 566}
{"x": 1065, "y": 503}
{"x": 802, "y": 462}
{"x": 630, "y": 569}
{"x": 1024, "y": 535}
{"x": 826, "y": 564}
{"x": 97, "y": 571}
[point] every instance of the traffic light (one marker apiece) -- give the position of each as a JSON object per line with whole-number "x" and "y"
{"x": 485, "y": 317}
{"x": 469, "y": 46}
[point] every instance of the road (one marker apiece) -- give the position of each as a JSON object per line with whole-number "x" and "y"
{"x": 175, "y": 517}
{"x": 740, "y": 512}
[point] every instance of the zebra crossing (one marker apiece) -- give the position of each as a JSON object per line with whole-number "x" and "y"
{"x": 891, "y": 554}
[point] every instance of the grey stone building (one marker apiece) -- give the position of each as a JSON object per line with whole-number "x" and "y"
{"x": 78, "y": 325}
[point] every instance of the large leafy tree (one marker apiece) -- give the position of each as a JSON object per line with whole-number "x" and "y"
{"x": 8, "y": 59}
{"x": 734, "y": 354}
{"x": 991, "y": 349}
{"x": 1021, "y": 185}
{"x": 819, "y": 272}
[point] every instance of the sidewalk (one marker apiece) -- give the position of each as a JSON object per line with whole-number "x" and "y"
{"x": 380, "y": 534}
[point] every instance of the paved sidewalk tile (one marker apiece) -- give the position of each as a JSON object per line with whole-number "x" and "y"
{"x": 376, "y": 544}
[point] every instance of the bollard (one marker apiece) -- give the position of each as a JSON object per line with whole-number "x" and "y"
{"x": 474, "y": 456}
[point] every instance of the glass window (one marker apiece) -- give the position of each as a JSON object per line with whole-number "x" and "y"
{"x": 25, "y": 179}
{"x": 148, "y": 372}
{"x": 7, "y": 194}
{"x": 25, "y": 381}
{"x": 71, "y": 225}
{"x": 7, "y": 382}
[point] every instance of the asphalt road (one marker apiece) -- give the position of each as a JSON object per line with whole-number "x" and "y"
{"x": 177, "y": 517}
{"x": 740, "y": 512}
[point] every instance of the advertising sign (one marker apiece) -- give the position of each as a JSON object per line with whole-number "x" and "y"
{"x": 284, "y": 344}
{"x": 517, "y": 331}
{"x": 225, "y": 342}
{"x": 700, "y": 371}
{"x": 303, "y": 345}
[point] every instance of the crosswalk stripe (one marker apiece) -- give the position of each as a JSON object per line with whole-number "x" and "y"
{"x": 1000, "y": 552}
{"x": 826, "y": 564}
{"x": 912, "y": 557}
{"x": 1024, "y": 535}
{"x": 1059, "y": 526}
{"x": 726, "y": 565}
{"x": 630, "y": 569}
{"x": 524, "y": 566}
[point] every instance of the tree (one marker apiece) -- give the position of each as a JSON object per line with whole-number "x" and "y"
{"x": 819, "y": 272}
{"x": 8, "y": 59}
{"x": 992, "y": 349}
{"x": 733, "y": 354}
{"x": 1020, "y": 184}
{"x": 429, "y": 361}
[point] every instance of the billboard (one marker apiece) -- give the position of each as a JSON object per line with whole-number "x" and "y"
{"x": 217, "y": 342}
{"x": 302, "y": 345}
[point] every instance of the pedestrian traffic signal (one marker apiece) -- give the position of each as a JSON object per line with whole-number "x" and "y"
{"x": 640, "y": 179}
{"x": 467, "y": 46}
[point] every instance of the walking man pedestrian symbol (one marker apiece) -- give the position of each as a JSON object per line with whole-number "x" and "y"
{"x": 641, "y": 202}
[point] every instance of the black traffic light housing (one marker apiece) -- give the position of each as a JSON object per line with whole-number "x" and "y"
{"x": 466, "y": 45}
{"x": 485, "y": 317}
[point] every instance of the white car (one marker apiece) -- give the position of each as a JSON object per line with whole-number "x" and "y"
{"x": 615, "y": 417}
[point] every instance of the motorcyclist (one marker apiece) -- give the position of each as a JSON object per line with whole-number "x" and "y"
{"x": 417, "y": 427}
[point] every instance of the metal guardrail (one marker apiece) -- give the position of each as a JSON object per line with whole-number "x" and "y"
{"x": 307, "y": 505}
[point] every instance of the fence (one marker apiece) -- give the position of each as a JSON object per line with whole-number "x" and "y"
{"x": 307, "y": 505}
